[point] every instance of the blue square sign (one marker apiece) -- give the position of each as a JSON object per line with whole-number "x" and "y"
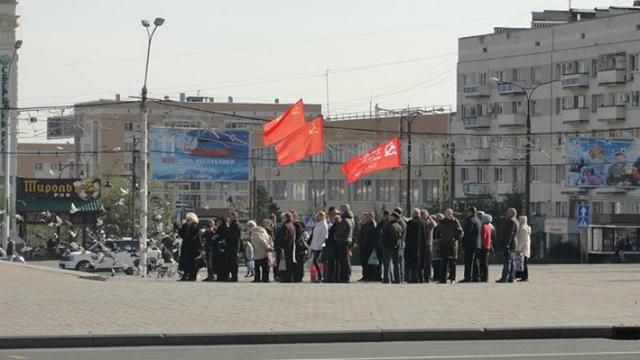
{"x": 584, "y": 216}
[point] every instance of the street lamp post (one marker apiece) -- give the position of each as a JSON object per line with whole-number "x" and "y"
{"x": 528, "y": 92}
{"x": 144, "y": 183}
{"x": 409, "y": 116}
{"x": 6, "y": 125}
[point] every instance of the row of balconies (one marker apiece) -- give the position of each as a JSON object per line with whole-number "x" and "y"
{"x": 569, "y": 116}
{"x": 484, "y": 154}
{"x": 571, "y": 81}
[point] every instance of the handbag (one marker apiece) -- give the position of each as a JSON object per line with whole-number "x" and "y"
{"x": 518, "y": 261}
{"x": 373, "y": 259}
{"x": 272, "y": 260}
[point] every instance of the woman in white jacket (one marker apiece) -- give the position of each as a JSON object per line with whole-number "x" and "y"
{"x": 260, "y": 242}
{"x": 318, "y": 237}
{"x": 524, "y": 245}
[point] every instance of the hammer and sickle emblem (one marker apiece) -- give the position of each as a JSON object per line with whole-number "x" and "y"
{"x": 390, "y": 150}
{"x": 313, "y": 130}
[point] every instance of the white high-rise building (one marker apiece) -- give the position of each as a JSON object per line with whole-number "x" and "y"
{"x": 584, "y": 66}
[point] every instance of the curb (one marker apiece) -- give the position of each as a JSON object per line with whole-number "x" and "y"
{"x": 359, "y": 336}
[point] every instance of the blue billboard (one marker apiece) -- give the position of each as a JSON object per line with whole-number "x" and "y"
{"x": 603, "y": 162}
{"x": 199, "y": 154}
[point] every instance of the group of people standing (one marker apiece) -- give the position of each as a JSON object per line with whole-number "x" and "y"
{"x": 395, "y": 249}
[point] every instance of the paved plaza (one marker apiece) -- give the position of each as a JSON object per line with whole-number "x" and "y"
{"x": 42, "y": 302}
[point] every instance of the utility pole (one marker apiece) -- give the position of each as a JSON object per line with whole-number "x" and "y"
{"x": 328, "y": 103}
{"x": 134, "y": 187}
{"x": 8, "y": 217}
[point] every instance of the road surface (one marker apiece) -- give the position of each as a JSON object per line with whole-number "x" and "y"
{"x": 476, "y": 350}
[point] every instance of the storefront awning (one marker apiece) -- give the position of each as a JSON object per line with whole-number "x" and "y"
{"x": 58, "y": 205}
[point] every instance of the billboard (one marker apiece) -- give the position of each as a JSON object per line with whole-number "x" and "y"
{"x": 600, "y": 162}
{"x": 199, "y": 154}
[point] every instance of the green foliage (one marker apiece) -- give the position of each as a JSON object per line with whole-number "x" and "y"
{"x": 265, "y": 203}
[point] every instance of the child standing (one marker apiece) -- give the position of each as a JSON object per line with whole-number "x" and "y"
{"x": 248, "y": 257}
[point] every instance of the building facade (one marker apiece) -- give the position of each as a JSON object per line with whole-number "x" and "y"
{"x": 46, "y": 161}
{"x": 583, "y": 65}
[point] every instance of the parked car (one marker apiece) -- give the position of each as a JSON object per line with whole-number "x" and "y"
{"x": 120, "y": 254}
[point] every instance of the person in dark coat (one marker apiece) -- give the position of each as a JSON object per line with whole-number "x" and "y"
{"x": 390, "y": 242}
{"x": 329, "y": 252}
{"x": 209, "y": 249}
{"x": 300, "y": 251}
{"x": 403, "y": 224}
{"x": 233, "y": 246}
{"x": 344, "y": 242}
{"x": 190, "y": 247}
{"x": 507, "y": 236}
{"x": 219, "y": 240}
{"x": 415, "y": 238}
{"x": 448, "y": 232}
{"x": 367, "y": 240}
{"x": 287, "y": 236}
{"x": 426, "y": 248}
{"x": 471, "y": 242}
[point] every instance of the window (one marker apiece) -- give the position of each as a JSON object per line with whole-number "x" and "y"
{"x": 598, "y": 207}
{"x": 594, "y": 68}
{"x": 387, "y": 190}
{"x": 37, "y": 166}
{"x": 464, "y": 174}
{"x": 594, "y": 103}
{"x": 535, "y": 173}
{"x": 562, "y": 208}
{"x": 128, "y": 126}
{"x": 431, "y": 192}
{"x": 612, "y": 62}
{"x": 279, "y": 189}
{"x": 483, "y": 79}
{"x": 497, "y": 174}
{"x": 610, "y": 100}
{"x": 363, "y": 190}
{"x": 415, "y": 190}
{"x": 298, "y": 190}
{"x": 500, "y": 75}
{"x": 536, "y": 208}
{"x": 515, "y": 75}
{"x": 514, "y": 175}
{"x": 633, "y": 62}
{"x": 337, "y": 190}
{"x": 574, "y": 102}
{"x": 128, "y": 166}
{"x": 316, "y": 189}
{"x": 635, "y": 98}
{"x": 558, "y": 105}
{"x": 481, "y": 175}
{"x": 560, "y": 174}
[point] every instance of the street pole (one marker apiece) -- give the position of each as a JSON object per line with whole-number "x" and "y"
{"x": 409, "y": 151}
{"x": 527, "y": 160}
{"x": 6, "y": 139}
{"x": 144, "y": 186}
{"x": 133, "y": 188}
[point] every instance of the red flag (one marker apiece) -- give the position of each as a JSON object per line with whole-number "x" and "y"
{"x": 306, "y": 141}
{"x": 279, "y": 128}
{"x": 383, "y": 157}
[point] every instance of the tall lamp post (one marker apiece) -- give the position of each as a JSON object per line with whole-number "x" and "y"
{"x": 409, "y": 116}
{"x": 144, "y": 183}
{"x": 7, "y": 219}
{"x": 528, "y": 92}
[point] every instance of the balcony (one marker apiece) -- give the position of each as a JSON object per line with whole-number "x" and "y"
{"x": 475, "y": 188}
{"x": 505, "y": 188}
{"x": 612, "y": 113}
{"x": 575, "y": 116}
{"x": 478, "y": 122}
{"x": 511, "y": 89}
{"x": 479, "y": 154}
{"x": 611, "y": 77}
{"x": 511, "y": 154}
{"x": 512, "y": 120}
{"x": 476, "y": 90}
{"x": 574, "y": 81}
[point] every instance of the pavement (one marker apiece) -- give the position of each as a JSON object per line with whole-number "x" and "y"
{"x": 485, "y": 350}
{"x": 560, "y": 301}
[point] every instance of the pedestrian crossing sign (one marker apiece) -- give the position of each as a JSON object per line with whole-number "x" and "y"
{"x": 584, "y": 216}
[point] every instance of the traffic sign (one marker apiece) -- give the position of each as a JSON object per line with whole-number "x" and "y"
{"x": 584, "y": 216}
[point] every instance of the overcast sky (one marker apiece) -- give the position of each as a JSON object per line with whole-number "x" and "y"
{"x": 393, "y": 52}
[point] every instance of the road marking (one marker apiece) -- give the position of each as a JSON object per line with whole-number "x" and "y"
{"x": 17, "y": 357}
{"x": 487, "y": 356}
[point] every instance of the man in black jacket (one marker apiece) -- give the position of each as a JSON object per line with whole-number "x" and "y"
{"x": 416, "y": 236}
{"x": 233, "y": 245}
{"x": 426, "y": 248}
{"x": 391, "y": 237}
{"x": 471, "y": 244}
{"x": 209, "y": 249}
{"x": 343, "y": 233}
{"x": 367, "y": 240}
{"x": 507, "y": 236}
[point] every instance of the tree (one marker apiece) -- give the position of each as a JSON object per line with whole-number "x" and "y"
{"x": 265, "y": 204}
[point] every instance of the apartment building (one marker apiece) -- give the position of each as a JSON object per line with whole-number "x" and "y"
{"x": 46, "y": 161}
{"x": 580, "y": 68}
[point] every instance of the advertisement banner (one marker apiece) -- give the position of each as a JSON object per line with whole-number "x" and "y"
{"x": 74, "y": 189}
{"x": 600, "y": 162}
{"x": 199, "y": 154}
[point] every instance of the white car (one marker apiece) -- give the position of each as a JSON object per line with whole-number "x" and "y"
{"x": 123, "y": 256}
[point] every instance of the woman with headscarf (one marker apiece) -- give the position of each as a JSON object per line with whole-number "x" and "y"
{"x": 190, "y": 248}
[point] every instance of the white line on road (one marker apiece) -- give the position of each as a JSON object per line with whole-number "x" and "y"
{"x": 487, "y": 356}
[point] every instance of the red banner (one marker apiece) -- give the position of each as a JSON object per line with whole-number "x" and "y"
{"x": 385, "y": 156}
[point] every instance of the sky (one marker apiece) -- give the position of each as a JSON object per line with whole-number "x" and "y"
{"x": 393, "y": 53}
